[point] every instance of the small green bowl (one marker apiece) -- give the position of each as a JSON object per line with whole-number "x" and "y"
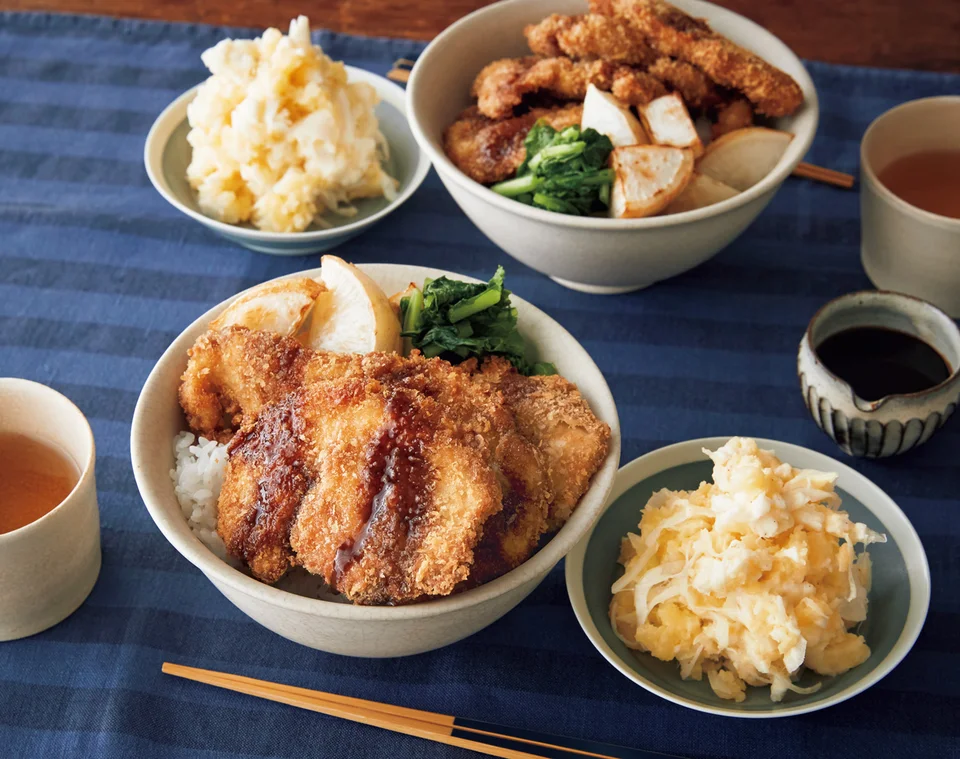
{"x": 167, "y": 154}
{"x": 899, "y": 596}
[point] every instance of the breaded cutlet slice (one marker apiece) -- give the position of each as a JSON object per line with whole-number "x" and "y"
{"x": 380, "y": 474}
{"x": 672, "y": 32}
{"x": 552, "y": 414}
{"x": 502, "y": 85}
{"x": 489, "y": 150}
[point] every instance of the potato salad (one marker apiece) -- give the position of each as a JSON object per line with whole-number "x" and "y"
{"x": 279, "y": 135}
{"x": 748, "y": 579}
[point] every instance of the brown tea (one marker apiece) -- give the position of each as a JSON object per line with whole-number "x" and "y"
{"x": 35, "y": 477}
{"x": 929, "y": 180}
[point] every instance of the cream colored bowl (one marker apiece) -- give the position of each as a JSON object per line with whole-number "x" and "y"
{"x": 339, "y": 627}
{"x": 589, "y": 254}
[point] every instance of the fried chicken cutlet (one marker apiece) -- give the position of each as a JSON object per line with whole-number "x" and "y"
{"x": 595, "y": 37}
{"x": 489, "y": 151}
{"x": 673, "y": 33}
{"x": 502, "y": 85}
{"x": 554, "y": 416}
{"x": 536, "y": 435}
{"x": 589, "y": 37}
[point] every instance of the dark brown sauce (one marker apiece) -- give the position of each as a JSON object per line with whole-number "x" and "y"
{"x": 35, "y": 478}
{"x": 273, "y": 445}
{"x": 877, "y": 362}
{"x": 393, "y": 485}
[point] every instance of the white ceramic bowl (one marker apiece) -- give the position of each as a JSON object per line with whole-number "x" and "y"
{"x": 898, "y": 599}
{"x": 589, "y": 254}
{"x": 167, "y": 154}
{"x": 339, "y": 627}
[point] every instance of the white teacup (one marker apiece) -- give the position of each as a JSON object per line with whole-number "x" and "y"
{"x": 49, "y": 567}
{"x": 904, "y": 248}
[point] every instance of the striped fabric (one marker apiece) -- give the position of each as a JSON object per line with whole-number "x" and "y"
{"x": 98, "y": 275}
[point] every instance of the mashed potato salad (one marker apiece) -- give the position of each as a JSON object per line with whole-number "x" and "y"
{"x": 748, "y": 578}
{"x": 279, "y": 136}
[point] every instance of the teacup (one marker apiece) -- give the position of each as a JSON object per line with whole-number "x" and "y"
{"x": 895, "y": 423}
{"x": 904, "y": 248}
{"x": 49, "y": 566}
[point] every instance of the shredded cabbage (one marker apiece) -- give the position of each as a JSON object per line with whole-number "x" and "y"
{"x": 749, "y": 579}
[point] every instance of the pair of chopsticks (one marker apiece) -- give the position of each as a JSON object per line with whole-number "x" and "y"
{"x": 401, "y": 73}
{"x": 485, "y": 737}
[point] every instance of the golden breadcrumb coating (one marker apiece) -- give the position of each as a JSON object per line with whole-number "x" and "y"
{"x": 672, "y": 32}
{"x": 589, "y": 36}
{"x": 489, "y": 151}
{"x": 502, "y": 85}
{"x": 393, "y": 478}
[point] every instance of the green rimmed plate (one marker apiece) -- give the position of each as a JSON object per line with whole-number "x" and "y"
{"x": 898, "y": 598}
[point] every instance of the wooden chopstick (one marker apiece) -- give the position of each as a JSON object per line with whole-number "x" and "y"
{"x": 821, "y": 174}
{"x": 487, "y": 738}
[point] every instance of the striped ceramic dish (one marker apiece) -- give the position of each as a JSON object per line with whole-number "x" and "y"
{"x": 896, "y": 423}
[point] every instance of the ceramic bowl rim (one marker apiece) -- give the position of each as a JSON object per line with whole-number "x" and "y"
{"x": 798, "y": 147}
{"x": 866, "y": 167}
{"x": 661, "y": 459}
{"x": 219, "y": 572}
{"x": 153, "y": 153}
{"x": 892, "y": 295}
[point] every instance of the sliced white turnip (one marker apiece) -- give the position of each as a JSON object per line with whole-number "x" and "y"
{"x": 701, "y": 191}
{"x": 280, "y": 307}
{"x": 667, "y": 122}
{"x": 648, "y": 178}
{"x": 603, "y": 112}
{"x": 743, "y": 157}
{"x": 352, "y": 315}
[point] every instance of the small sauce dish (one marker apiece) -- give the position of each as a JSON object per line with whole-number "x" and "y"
{"x": 49, "y": 565}
{"x": 915, "y": 349}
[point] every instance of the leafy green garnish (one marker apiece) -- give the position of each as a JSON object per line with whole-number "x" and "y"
{"x": 563, "y": 171}
{"x": 457, "y": 320}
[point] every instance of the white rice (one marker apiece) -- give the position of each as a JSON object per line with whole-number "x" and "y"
{"x": 197, "y": 481}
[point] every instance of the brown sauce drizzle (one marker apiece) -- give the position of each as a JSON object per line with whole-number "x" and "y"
{"x": 273, "y": 446}
{"x": 393, "y": 481}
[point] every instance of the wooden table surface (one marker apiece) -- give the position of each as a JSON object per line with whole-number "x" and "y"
{"x": 914, "y": 34}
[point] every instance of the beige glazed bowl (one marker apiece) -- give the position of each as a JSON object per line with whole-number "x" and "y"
{"x": 904, "y": 248}
{"x": 341, "y": 628}
{"x": 49, "y": 567}
{"x": 595, "y": 255}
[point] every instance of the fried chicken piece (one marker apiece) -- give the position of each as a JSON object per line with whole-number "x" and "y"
{"x": 501, "y": 86}
{"x": 272, "y": 479}
{"x": 489, "y": 151}
{"x": 695, "y": 87}
{"x": 381, "y": 486}
{"x": 262, "y": 490}
{"x": 736, "y": 113}
{"x": 672, "y": 32}
{"x": 234, "y": 372}
{"x": 588, "y": 37}
{"x": 553, "y": 415}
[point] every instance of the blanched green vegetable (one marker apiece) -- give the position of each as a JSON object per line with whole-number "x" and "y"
{"x": 456, "y": 320}
{"x": 563, "y": 171}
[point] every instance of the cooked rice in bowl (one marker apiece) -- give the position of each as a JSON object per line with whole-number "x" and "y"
{"x": 197, "y": 479}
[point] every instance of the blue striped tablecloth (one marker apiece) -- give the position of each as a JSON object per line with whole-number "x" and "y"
{"x": 98, "y": 275}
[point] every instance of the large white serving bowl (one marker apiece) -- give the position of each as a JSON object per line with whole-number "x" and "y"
{"x": 166, "y": 155}
{"x": 371, "y": 631}
{"x": 596, "y": 255}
